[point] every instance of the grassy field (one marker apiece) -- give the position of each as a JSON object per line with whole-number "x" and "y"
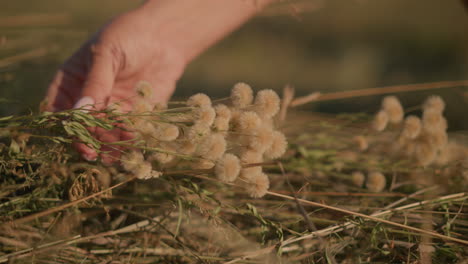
{"x": 345, "y": 190}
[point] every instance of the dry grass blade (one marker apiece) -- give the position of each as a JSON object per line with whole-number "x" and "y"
{"x": 32, "y": 54}
{"x": 392, "y": 89}
{"x": 306, "y": 99}
{"x": 368, "y": 217}
{"x": 288, "y": 96}
{"x": 65, "y": 206}
{"x": 36, "y": 20}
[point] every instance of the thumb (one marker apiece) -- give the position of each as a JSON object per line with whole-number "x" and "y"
{"x": 101, "y": 76}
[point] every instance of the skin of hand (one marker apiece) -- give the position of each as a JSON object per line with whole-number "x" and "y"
{"x": 152, "y": 43}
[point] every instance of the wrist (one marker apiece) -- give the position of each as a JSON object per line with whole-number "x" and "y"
{"x": 190, "y": 26}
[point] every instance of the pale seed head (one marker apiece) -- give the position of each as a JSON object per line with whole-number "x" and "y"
{"x": 376, "y": 182}
{"x": 278, "y": 146}
{"x": 380, "y": 121}
{"x": 392, "y": 106}
{"x": 435, "y": 103}
{"x": 267, "y": 103}
{"x": 199, "y": 100}
{"x": 228, "y": 168}
{"x": 241, "y": 95}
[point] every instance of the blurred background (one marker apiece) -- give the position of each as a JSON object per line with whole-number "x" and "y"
{"x": 314, "y": 45}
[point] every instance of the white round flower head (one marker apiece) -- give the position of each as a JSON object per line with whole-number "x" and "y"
{"x": 433, "y": 121}
{"x": 251, "y": 156}
{"x": 227, "y": 168}
{"x": 261, "y": 139}
{"x": 358, "y": 178}
{"x": 439, "y": 139}
{"x": 144, "y": 128}
{"x": 425, "y": 152}
{"x": 376, "y": 182}
{"x": 223, "y": 116}
{"x": 131, "y": 160}
{"x": 160, "y": 106}
{"x": 361, "y": 142}
{"x": 166, "y": 132}
{"x": 435, "y": 103}
{"x": 267, "y": 103}
{"x": 144, "y": 90}
{"x": 199, "y": 100}
{"x": 142, "y": 106}
{"x": 143, "y": 171}
{"x": 186, "y": 147}
{"x": 162, "y": 158}
{"x": 249, "y": 121}
{"x": 247, "y": 158}
{"x": 155, "y": 174}
{"x": 205, "y": 115}
{"x": 212, "y": 147}
{"x": 222, "y": 111}
{"x": 257, "y": 185}
{"x": 412, "y": 127}
{"x": 278, "y": 146}
{"x": 392, "y": 106}
{"x": 198, "y": 131}
{"x": 241, "y": 95}
{"x": 380, "y": 121}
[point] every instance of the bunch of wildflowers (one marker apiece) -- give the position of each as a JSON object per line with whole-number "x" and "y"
{"x": 232, "y": 138}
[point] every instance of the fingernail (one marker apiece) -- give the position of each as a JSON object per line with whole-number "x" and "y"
{"x": 85, "y": 103}
{"x": 89, "y": 157}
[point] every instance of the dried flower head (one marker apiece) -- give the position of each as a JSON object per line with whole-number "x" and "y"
{"x": 392, "y": 106}
{"x": 249, "y": 121}
{"x": 199, "y": 100}
{"x": 267, "y": 103}
{"x": 228, "y": 167}
{"x": 143, "y": 171}
{"x": 257, "y": 185}
{"x": 278, "y": 146}
{"x": 248, "y": 158}
{"x": 439, "y": 139}
{"x": 144, "y": 128}
{"x": 160, "y": 106}
{"x": 223, "y": 116}
{"x": 205, "y": 115}
{"x": 412, "y": 127}
{"x": 132, "y": 160}
{"x": 166, "y": 132}
{"x": 212, "y": 147}
{"x": 361, "y": 142}
{"x": 261, "y": 139}
{"x": 433, "y": 120}
{"x": 425, "y": 152}
{"x": 144, "y": 90}
{"x": 435, "y": 103}
{"x": 163, "y": 157}
{"x": 186, "y": 147}
{"x": 198, "y": 131}
{"x": 241, "y": 95}
{"x": 251, "y": 156}
{"x": 358, "y": 178}
{"x": 376, "y": 182}
{"x": 142, "y": 106}
{"x": 380, "y": 121}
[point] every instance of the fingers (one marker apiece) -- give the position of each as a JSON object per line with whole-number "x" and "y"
{"x": 101, "y": 76}
{"x": 62, "y": 92}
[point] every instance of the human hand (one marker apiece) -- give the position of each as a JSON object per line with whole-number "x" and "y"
{"x": 153, "y": 43}
{"x": 107, "y": 68}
